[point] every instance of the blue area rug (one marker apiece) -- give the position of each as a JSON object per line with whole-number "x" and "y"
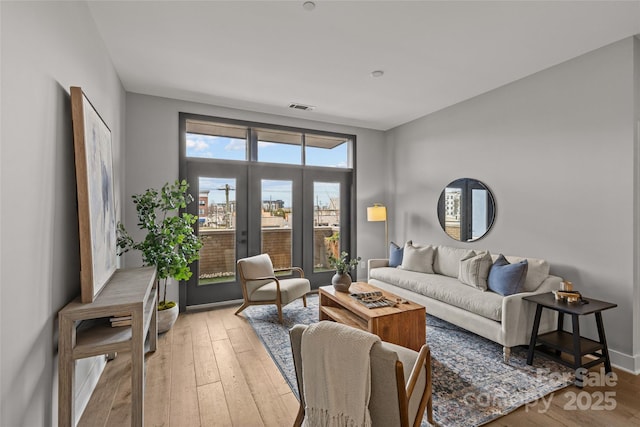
{"x": 471, "y": 384}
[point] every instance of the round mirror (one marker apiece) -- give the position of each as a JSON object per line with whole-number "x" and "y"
{"x": 466, "y": 209}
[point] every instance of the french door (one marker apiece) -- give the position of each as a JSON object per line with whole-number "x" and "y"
{"x": 299, "y": 216}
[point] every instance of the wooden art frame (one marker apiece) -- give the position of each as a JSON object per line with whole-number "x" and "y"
{"x": 96, "y": 209}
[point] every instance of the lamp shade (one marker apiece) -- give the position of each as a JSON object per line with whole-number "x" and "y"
{"x": 377, "y": 213}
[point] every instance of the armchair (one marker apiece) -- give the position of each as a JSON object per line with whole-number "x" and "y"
{"x": 261, "y": 286}
{"x": 394, "y": 402}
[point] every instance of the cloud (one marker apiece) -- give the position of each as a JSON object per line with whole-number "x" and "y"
{"x": 236, "y": 145}
{"x": 197, "y": 144}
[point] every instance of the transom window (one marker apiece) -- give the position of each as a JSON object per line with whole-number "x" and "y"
{"x": 229, "y": 141}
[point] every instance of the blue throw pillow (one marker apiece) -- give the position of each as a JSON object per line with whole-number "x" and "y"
{"x": 395, "y": 255}
{"x": 505, "y": 278}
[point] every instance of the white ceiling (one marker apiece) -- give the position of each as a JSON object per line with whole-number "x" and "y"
{"x": 263, "y": 55}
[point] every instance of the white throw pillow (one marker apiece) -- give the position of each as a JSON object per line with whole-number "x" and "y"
{"x": 418, "y": 258}
{"x": 447, "y": 260}
{"x": 474, "y": 270}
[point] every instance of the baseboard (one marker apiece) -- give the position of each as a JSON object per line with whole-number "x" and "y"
{"x": 95, "y": 366}
{"x": 625, "y": 362}
{"x": 213, "y": 305}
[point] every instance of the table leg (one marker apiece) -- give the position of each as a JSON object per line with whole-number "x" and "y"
{"x": 603, "y": 341}
{"x": 153, "y": 328}
{"x": 560, "y": 328}
{"x": 137, "y": 368}
{"x": 534, "y": 334}
{"x": 560, "y": 320}
{"x": 66, "y": 372}
{"x": 577, "y": 351}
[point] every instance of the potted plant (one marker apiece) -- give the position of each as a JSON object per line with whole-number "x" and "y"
{"x": 342, "y": 280}
{"x": 170, "y": 243}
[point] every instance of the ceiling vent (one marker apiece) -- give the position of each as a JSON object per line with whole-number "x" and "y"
{"x": 302, "y": 107}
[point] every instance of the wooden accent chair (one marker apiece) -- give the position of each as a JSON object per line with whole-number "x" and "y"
{"x": 260, "y": 285}
{"x": 393, "y": 402}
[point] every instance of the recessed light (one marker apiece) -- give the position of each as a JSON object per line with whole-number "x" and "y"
{"x": 377, "y": 73}
{"x": 309, "y": 5}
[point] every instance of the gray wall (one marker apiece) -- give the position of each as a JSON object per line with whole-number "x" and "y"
{"x": 152, "y": 159}
{"x": 46, "y": 48}
{"x": 557, "y": 149}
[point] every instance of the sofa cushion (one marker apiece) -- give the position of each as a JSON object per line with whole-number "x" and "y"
{"x": 505, "y": 278}
{"x": 474, "y": 270}
{"x": 537, "y": 271}
{"x": 447, "y": 260}
{"x": 417, "y": 258}
{"x": 443, "y": 288}
{"x": 395, "y": 255}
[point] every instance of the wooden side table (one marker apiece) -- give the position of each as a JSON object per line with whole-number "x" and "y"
{"x": 131, "y": 292}
{"x": 403, "y": 325}
{"x": 553, "y": 344}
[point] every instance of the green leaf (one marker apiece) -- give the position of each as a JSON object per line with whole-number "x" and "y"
{"x": 170, "y": 242}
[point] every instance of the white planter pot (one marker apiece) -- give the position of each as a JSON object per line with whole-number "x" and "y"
{"x": 166, "y": 318}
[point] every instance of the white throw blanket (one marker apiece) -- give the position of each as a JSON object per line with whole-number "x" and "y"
{"x": 336, "y": 372}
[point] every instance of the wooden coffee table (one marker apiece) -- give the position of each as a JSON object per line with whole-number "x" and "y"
{"x": 404, "y": 324}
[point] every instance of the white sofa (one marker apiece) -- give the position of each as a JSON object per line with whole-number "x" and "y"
{"x": 507, "y": 320}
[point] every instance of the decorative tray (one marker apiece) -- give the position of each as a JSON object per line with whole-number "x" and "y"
{"x": 373, "y": 299}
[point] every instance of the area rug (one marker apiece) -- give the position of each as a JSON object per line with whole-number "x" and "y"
{"x": 471, "y": 384}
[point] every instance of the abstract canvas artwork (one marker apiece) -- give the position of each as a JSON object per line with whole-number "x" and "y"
{"x": 96, "y": 211}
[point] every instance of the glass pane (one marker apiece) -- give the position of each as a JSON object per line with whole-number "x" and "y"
{"x": 276, "y": 220}
{"x": 217, "y": 228}
{"x": 326, "y": 151}
{"x": 452, "y": 207}
{"x": 216, "y": 140}
{"x": 276, "y": 146}
{"x": 479, "y": 217}
{"x": 326, "y": 224}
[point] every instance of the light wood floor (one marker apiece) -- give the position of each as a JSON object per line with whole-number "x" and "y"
{"x": 212, "y": 370}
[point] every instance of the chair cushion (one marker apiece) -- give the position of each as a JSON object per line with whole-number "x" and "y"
{"x": 537, "y": 271}
{"x": 290, "y": 289}
{"x": 395, "y": 255}
{"x": 417, "y": 258}
{"x": 447, "y": 260}
{"x": 443, "y": 288}
{"x": 505, "y": 278}
{"x": 474, "y": 270}
{"x": 253, "y": 267}
{"x": 256, "y": 266}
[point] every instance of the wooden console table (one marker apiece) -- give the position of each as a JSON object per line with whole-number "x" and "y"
{"x": 129, "y": 292}
{"x": 404, "y": 324}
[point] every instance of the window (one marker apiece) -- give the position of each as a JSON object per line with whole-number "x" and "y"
{"x": 326, "y": 151}
{"x": 269, "y": 189}
{"x": 276, "y": 146}
{"x": 228, "y": 141}
{"x": 216, "y": 140}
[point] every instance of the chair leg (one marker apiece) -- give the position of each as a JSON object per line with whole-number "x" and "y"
{"x": 242, "y": 307}
{"x": 304, "y": 300}
{"x": 280, "y": 313}
{"x": 430, "y": 410}
{"x": 506, "y": 354}
{"x": 299, "y": 417}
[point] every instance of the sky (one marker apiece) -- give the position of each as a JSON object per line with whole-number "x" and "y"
{"x": 214, "y": 147}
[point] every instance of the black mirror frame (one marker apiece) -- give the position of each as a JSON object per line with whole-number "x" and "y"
{"x": 466, "y": 185}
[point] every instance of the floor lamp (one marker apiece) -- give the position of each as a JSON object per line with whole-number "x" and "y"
{"x": 377, "y": 213}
